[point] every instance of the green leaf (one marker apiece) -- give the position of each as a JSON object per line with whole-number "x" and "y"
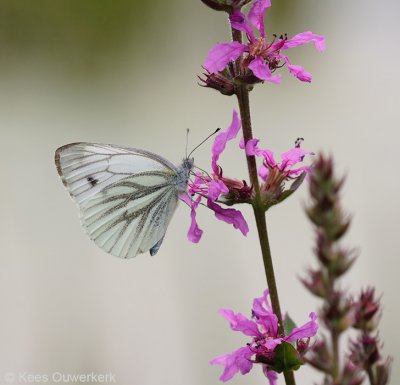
{"x": 298, "y": 182}
{"x": 288, "y": 324}
{"x": 287, "y": 193}
{"x": 287, "y": 358}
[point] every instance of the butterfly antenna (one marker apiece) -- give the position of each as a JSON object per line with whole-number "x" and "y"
{"x": 204, "y": 171}
{"x": 205, "y": 140}
{"x": 187, "y": 141}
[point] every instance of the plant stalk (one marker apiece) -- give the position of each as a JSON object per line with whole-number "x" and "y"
{"x": 335, "y": 355}
{"x": 242, "y": 94}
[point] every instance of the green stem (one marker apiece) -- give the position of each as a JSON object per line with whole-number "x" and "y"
{"x": 370, "y": 375}
{"x": 242, "y": 94}
{"x": 259, "y": 214}
{"x": 335, "y": 356}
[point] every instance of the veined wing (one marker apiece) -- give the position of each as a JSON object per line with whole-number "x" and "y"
{"x": 87, "y": 168}
{"x": 126, "y": 196}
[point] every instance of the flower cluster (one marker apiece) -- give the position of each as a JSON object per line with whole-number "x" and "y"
{"x": 340, "y": 312}
{"x": 216, "y": 188}
{"x": 266, "y": 346}
{"x": 261, "y": 55}
{"x": 274, "y": 175}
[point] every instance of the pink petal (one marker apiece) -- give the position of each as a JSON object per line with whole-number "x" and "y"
{"x": 238, "y": 21}
{"x": 221, "y": 54}
{"x": 300, "y": 73}
{"x": 184, "y": 197}
{"x": 215, "y": 189}
{"x": 221, "y": 139}
{"x": 239, "y": 360}
{"x": 240, "y": 323}
{"x": 269, "y": 161}
{"x": 300, "y": 170}
{"x": 263, "y": 172}
{"x": 231, "y": 216}
{"x": 265, "y": 315}
{"x": 293, "y": 156}
{"x": 262, "y": 71}
{"x": 271, "y": 375}
{"x": 241, "y": 143}
{"x": 251, "y": 147}
{"x": 194, "y": 233}
{"x": 261, "y": 306}
{"x": 304, "y": 38}
{"x": 268, "y": 156}
{"x": 197, "y": 186}
{"x": 309, "y": 329}
{"x": 271, "y": 344}
{"x": 270, "y": 324}
{"x": 256, "y": 14}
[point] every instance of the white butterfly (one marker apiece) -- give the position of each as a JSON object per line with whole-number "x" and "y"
{"x": 126, "y": 196}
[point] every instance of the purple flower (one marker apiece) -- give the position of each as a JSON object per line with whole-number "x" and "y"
{"x": 215, "y": 188}
{"x": 261, "y": 57}
{"x": 274, "y": 175}
{"x": 286, "y": 168}
{"x": 263, "y": 328}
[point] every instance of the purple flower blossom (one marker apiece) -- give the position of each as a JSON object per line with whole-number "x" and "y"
{"x": 263, "y": 328}
{"x": 274, "y": 175}
{"x": 286, "y": 168}
{"x": 261, "y": 57}
{"x": 215, "y": 186}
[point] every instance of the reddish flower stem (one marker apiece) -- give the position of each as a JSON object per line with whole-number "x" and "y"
{"x": 242, "y": 94}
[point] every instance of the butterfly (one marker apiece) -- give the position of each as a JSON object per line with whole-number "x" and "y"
{"x": 126, "y": 196}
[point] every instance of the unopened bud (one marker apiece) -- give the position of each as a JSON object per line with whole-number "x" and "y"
{"x": 220, "y": 81}
{"x": 366, "y": 311}
{"x": 319, "y": 356}
{"x": 352, "y": 374}
{"x": 382, "y": 372}
{"x": 316, "y": 283}
{"x": 338, "y": 314}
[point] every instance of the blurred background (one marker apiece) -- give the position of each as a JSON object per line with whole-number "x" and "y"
{"x": 124, "y": 72}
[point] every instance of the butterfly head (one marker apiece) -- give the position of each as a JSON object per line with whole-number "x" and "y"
{"x": 187, "y": 164}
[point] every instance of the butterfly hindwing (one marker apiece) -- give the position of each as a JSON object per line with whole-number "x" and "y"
{"x": 126, "y": 196}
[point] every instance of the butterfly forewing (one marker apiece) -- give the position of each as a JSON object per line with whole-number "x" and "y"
{"x": 126, "y": 196}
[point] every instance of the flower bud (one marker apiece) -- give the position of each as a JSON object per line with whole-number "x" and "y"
{"x": 382, "y": 372}
{"x": 352, "y": 374}
{"x": 302, "y": 346}
{"x": 220, "y": 81}
{"x": 366, "y": 311}
{"x": 338, "y": 314}
{"x": 342, "y": 260}
{"x": 319, "y": 356}
{"x": 316, "y": 283}
{"x": 326, "y": 212}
